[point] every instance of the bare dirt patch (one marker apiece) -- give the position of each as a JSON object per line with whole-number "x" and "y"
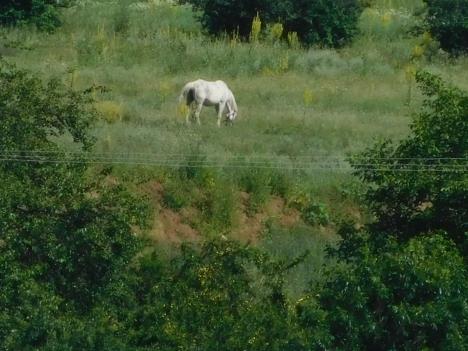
{"x": 155, "y": 191}
{"x": 170, "y": 227}
{"x": 174, "y": 227}
{"x": 250, "y": 228}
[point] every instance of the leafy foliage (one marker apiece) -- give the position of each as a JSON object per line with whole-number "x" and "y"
{"x": 229, "y": 16}
{"x": 221, "y": 297}
{"x": 315, "y": 214}
{"x": 401, "y": 282}
{"x": 448, "y": 23}
{"x": 42, "y": 13}
{"x": 400, "y": 297}
{"x": 32, "y": 111}
{"x": 316, "y": 22}
{"x": 63, "y": 238}
{"x": 329, "y": 23}
{"x": 420, "y": 185}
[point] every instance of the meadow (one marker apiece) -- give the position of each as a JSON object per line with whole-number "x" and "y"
{"x": 294, "y": 103}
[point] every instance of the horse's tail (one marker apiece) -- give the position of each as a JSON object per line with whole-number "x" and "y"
{"x": 187, "y": 94}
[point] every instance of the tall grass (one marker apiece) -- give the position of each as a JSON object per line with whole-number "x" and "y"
{"x": 143, "y": 52}
{"x": 145, "y": 56}
{"x": 293, "y": 101}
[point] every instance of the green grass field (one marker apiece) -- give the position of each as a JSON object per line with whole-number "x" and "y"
{"x": 293, "y": 102}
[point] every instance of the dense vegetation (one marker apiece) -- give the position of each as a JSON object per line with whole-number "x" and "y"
{"x": 87, "y": 254}
{"x": 316, "y": 22}
{"x": 448, "y": 23}
{"x": 404, "y": 288}
{"x": 61, "y": 245}
{"x": 41, "y": 13}
{"x": 424, "y": 202}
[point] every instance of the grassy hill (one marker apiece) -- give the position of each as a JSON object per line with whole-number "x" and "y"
{"x": 295, "y": 104}
{"x": 292, "y": 101}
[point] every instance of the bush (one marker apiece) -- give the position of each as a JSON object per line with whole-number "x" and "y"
{"x": 315, "y": 214}
{"x": 420, "y": 185}
{"x": 223, "y": 296}
{"x": 448, "y": 23}
{"x": 64, "y": 238}
{"x": 401, "y": 281}
{"x": 256, "y": 182}
{"x": 217, "y": 203}
{"x": 175, "y": 196}
{"x": 237, "y": 15}
{"x": 329, "y": 23}
{"x": 402, "y": 297}
{"x": 42, "y": 13}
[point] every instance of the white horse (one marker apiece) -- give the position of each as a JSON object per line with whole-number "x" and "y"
{"x": 201, "y": 93}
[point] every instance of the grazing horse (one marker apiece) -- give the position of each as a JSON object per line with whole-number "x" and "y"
{"x": 201, "y": 93}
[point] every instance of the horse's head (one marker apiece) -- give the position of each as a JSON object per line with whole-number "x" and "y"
{"x": 231, "y": 115}
{"x": 232, "y": 109}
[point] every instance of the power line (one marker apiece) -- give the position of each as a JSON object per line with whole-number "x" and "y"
{"x": 177, "y": 156}
{"x": 322, "y": 163}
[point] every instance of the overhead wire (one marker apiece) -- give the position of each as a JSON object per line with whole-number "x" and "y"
{"x": 265, "y": 161}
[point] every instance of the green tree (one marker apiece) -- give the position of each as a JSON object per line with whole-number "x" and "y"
{"x": 409, "y": 296}
{"x": 401, "y": 282}
{"x": 420, "y": 185}
{"x": 223, "y": 296}
{"x": 448, "y": 22}
{"x": 329, "y": 23}
{"x": 63, "y": 237}
{"x": 42, "y": 13}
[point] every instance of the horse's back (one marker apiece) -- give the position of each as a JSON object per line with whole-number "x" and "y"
{"x": 210, "y": 92}
{"x": 221, "y": 83}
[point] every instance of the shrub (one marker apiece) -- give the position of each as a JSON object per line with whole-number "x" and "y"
{"x": 280, "y": 183}
{"x": 64, "y": 237}
{"x": 402, "y": 297}
{"x": 433, "y": 191}
{"x": 329, "y": 23}
{"x": 110, "y": 111}
{"x": 217, "y": 202}
{"x": 42, "y": 13}
{"x": 175, "y": 196}
{"x": 312, "y": 212}
{"x": 256, "y": 182}
{"x": 315, "y": 214}
{"x": 448, "y": 23}
{"x": 237, "y": 15}
{"x": 121, "y": 18}
{"x": 275, "y": 32}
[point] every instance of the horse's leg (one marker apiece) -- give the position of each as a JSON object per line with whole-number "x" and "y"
{"x": 189, "y": 113}
{"x": 220, "y": 109}
{"x": 197, "y": 112}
